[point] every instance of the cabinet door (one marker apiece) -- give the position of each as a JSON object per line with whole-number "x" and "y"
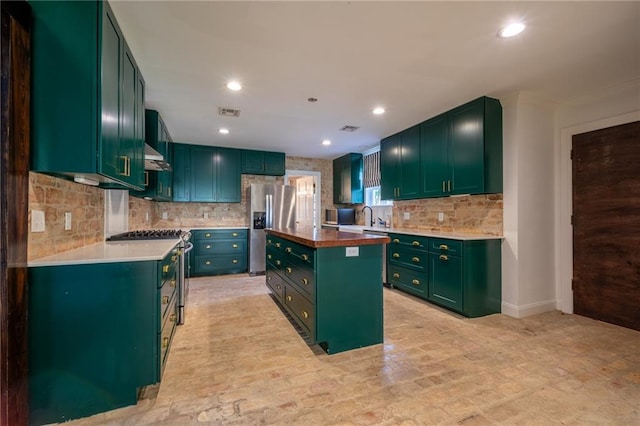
{"x": 356, "y": 170}
{"x": 445, "y": 281}
{"x": 227, "y": 176}
{"x": 128, "y": 141}
{"x": 434, "y": 154}
{"x": 164, "y": 178}
{"x": 274, "y": 163}
{"x": 466, "y": 148}
{"x": 181, "y": 172}
{"x": 410, "y": 163}
{"x": 110, "y": 163}
{"x": 140, "y": 123}
{"x": 338, "y": 190}
{"x": 252, "y": 162}
{"x": 204, "y": 164}
{"x": 389, "y": 167}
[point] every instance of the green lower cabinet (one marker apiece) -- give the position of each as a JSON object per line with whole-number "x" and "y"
{"x": 97, "y": 333}
{"x": 409, "y": 280}
{"x": 218, "y": 251}
{"x": 318, "y": 288}
{"x": 445, "y": 281}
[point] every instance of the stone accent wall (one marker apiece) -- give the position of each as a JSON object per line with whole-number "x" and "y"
{"x": 476, "y": 214}
{"x": 325, "y": 167}
{"x": 56, "y": 196}
{"x": 142, "y": 213}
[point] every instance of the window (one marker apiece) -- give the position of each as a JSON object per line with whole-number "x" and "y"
{"x": 372, "y": 197}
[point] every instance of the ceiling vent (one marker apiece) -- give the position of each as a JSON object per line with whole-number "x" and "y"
{"x": 229, "y": 112}
{"x": 349, "y": 128}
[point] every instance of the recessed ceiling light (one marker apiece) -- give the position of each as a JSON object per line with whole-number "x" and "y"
{"x": 223, "y": 131}
{"x": 326, "y": 142}
{"x": 511, "y": 30}
{"x": 234, "y": 85}
{"x": 312, "y": 99}
{"x": 378, "y": 110}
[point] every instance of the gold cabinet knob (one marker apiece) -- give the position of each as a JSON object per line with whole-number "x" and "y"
{"x": 305, "y": 257}
{"x": 278, "y": 245}
{"x": 444, "y": 247}
{"x": 165, "y": 269}
{"x": 269, "y": 277}
{"x": 208, "y": 262}
{"x": 415, "y": 259}
{"x": 415, "y": 243}
{"x": 174, "y": 258}
{"x": 288, "y": 249}
{"x": 234, "y": 246}
{"x": 305, "y": 281}
{"x": 396, "y": 275}
{"x": 165, "y": 300}
{"x": 278, "y": 262}
{"x": 172, "y": 283}
{"x": 443, "y": 257}
{"x": 415, "y": 282}
{"x": 234, "y": 261}
{"x": 288, "y": 269}
{"x": 269, "y": 241}
{"x": 289, "y": 298}
{"x": 235, "y": 234}
{"x": 268, "y": 256}
{"x": 207, "y": 235}
{"x": 305, "y": 315}
{"x": 165, "y": 342}
{"x": 396, "y": 241}
{"x": 208, "y": 246}
{"x": 396, "y": 255}
{"x": 278, "y": 286}
{"x": 172, "y": 317}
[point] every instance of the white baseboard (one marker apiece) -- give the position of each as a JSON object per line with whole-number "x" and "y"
{"x": 529, "y": 309}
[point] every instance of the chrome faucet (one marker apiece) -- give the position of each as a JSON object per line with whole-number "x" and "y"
{"x": 370, "y": 211}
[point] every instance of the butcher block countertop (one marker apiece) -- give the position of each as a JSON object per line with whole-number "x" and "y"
{"x": 318, "y": 238}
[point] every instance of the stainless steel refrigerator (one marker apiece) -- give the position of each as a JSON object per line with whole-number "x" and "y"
{"x": 269, "y": 206}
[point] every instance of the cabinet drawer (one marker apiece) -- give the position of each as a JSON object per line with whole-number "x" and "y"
{"x": 407, "y": 257}
{"x": 275, "y": 242}
{"x": 444, "y": 246}
{"x": 220, "y": 264}
{"x": 166, "y": 336}
{"x": 305, "y": 255}
{"x": 302, "y": 277}
{"x": 274, "y": 257}
{"x": 413, "y": 281}
{"x": 275, "y": 283}
{"x": 219, "y": 234}
{"x": 204, "y": 247}
{"x": 401, "y": 240}
{"x": 302, "y": 310}
{"x": 167, "y": 293}
{"x": 168, "y": 266}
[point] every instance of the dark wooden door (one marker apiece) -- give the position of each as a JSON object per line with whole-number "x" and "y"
{"x": 14, "y": 197}
{"x": 606, "y": 225}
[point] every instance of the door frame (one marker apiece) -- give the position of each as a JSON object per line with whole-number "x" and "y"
{"x": 564, "y": 204}
{"x": 318, "y": 197}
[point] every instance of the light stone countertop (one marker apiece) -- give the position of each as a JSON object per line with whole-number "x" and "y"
{"x": 110, "y": 252}
{"x": 204, "y": 228}
{"x": 450, "y": 235}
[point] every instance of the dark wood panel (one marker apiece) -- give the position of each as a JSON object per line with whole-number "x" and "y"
{"x": 14, "y": 185}
{"x": 606, "y": 224}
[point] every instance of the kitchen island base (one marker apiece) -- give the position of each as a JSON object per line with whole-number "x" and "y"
{"x": 333, "y": 293}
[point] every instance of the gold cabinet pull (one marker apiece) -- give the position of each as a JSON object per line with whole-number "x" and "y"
{"x": 269, "y": 241}
{"x": 165, "y": 269}
{"x": 169, "y": 191}
{"x": 125, "y": 167}
{"x": 278, "y": 245}
{"x": 305, "y": 315}
{"x": 160, "y": 186}
{"x": 396, "y": 255}
{"x": 415, "y": 243}
{"x": 396, "y": 275}
{"x": 165, "y": 342}
{"x": 444, "y": 189}
{"x": 174, "y": 258}
{"x": 395, "y": 240}
{"x": 443, "y": 257}
{"x": 234, "y": 246}
{"x": 207, "y": 235}
{"x": 208, "y": 262}
{"x": 269, "y": 277}
{"x": 415, "y": 259}
{"x": 146, "y": 178}
{"x": 172, "y": 317}
{"x": 289, "y": 298}
{"x": 289, "y": 270}
{"x": 208, "y": 246}
{"x": 288, "y": 249}
{"x": 305, "y": 257}
{"x": 415, "y": 282}
{"x": 278, "y": 286}
{"x": 172, "y": 283}
{"x": 165, "y": 300}
{"x": 278, "y": 262}
{"x": 234, "y": 261}
{"x": 305, "y": 281}
{"x": 235, "y": 234}
{"x": 449, "y": 185}
{"x": 444, "y": 247}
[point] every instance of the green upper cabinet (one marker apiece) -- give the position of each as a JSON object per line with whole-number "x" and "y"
{"x": 347, "y": 179}
{"x": 206, "y": 174}
{"x": 158, "y": 184}
{"x": 400, "y": 165}
{"x": 86, "y": 95}
{"x": 461, "y": 150}
{"x": 262, "y": 162}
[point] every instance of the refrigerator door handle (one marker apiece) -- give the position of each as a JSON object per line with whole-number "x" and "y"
{"x": 269, "y": 206}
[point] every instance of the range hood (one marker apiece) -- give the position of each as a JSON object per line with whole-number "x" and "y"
{"x": 153, "y": 160}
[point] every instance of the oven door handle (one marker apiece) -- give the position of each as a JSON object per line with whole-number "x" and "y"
{"x": 188, "y": 247}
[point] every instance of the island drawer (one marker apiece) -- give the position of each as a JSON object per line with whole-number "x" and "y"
{"x": 274, "y": 257}
{"x": 305, "y": 255}
{"x": 301, "y": 309}
{"x": 275, "y": 283}
{"x": 445, "y": 246}
{"x": 402, "y": 240}
{"x": 302, "y": 277}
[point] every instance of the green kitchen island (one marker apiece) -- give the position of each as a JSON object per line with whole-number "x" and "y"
{"x": 330, "y": 282}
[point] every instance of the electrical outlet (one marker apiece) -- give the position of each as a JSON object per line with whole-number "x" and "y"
{"x": 146, "y": 216}
{"x": 440, "y": 217}
{"x": 407, "y": 216}
{"x": 37, "y": 221}
{"x": 352, "y": 251}
{"x": 67, "y": 221}
{"x": 165, "y": 215}
{"x": 206, "y": 215}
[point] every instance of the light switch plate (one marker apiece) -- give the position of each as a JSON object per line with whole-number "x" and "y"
{"x": 440, "y": 217}
{"x": 165, "y": 215}
{"x": 206, "y": 215}
{"x": 352, "y": 251}
{"x": 407, "y": 216}
{"x": 37, "y": 221}
{"x": 67, "y": 221}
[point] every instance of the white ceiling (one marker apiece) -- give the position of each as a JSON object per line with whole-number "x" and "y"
{"x": 416, "y": 59}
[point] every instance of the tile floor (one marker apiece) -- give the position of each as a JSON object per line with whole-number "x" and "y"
{"x": 239, "y": 361}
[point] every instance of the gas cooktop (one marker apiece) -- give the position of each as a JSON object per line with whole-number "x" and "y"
{"x": 149, "y": 234}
